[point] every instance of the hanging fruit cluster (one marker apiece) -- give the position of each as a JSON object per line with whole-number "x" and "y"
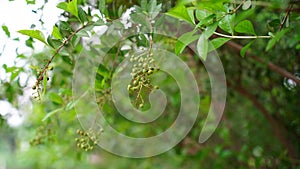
{"x": 43, "y": 135}
{"x": 143, "y": 68}
{"x": 87, "y": 139}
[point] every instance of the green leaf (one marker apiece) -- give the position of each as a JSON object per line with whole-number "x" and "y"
{"x": 183, "y": 2}
{"x": 227, "y": 24}
{"x": 63, "y": 6}
{"x": 185, "y": 40}
{"x": 210, "y": 29}
{"x": 181, "y": 12}
{"x": 201, "y": 14}
{"x": 54, "y": 43}
{"x": 14, "y": 75}
{"x": 216, "y": 43}
{"x": 30, "y": 2}
{"x": 45, "y": 80}
{"x": 207, "y": 20}
{"x": 70, "y": 7}
{"x": 103, "y": 71}
{"x": 71, "y": 105}
{"x": 99, "y": 22}
{"x": 52, "y": 113}
{"x": 247, "y": 5}
{"x": 153, "y": 9}
{"x": 245, "y": 48}
{"x": 5, "y": 29}
{"x": 141, "y": 19}
{"x": 212, "y": 5}
{"x": 102, "y": 6}
{"x": 243, "y": 15}
{"x": 83, "y": 33}
{"x": 245, "y": 27}
{"x": 55, "y": 98}
{"x": 275, "y": 39}
{"x": 120, "y": 11}
{"x": 29, "y": 42}
{"x": 271, "y": 44}
{"x": 202, "y": 47}
{"x": 55, "y": 33}
{"x": 151, "y": 6}
{"x": 35, "y": 34}
{"x": 144, "y": 5}
{"x": 82, "y": 15}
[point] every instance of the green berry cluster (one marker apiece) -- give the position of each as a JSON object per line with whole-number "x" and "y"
{"x": 143, "y": 67}
{"x": 43, "y": 135}
{"x": 87, "y": 139}
{"x": 40, "y": 77}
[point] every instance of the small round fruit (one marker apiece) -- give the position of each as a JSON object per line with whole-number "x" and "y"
{"x": 141, "y": 105}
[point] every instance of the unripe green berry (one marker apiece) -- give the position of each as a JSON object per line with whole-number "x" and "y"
{"x": 141, "y": 105}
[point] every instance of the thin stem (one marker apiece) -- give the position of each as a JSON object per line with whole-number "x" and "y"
{"x": 139, "y": 96}
{"x": 238, "y": 7}
{"x": 65, "y": 42}
{"x": 115, "y": 60}
{"x": 242, "y": 37}
{"x": 270, "y": 65}
{"x": 286, "y": 16}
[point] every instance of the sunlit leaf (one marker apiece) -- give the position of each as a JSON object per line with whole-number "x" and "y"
{"x": 5, "y": 29}
{"x": 55, "y": 33}
{"x": 35, "y": 34}
{"x": 70, "y": 7}
{"x": 181, "y": 12}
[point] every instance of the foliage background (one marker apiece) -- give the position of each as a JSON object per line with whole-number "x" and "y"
{"x": 261, "y": 124}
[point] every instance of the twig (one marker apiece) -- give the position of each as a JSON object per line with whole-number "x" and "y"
{"x": 242, "y": 37}
{"x": 286, "y": 16}
{"x": 238, "y": 7}
{"x": 279, "y": 131}
{"x": 42, "y": 72}
{"x": 270, "y": 65}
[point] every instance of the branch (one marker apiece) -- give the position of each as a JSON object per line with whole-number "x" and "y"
{"x": 286, "y": 16}
{"x": 242, "y": 37}
{"x": 279, "y": 131}
{"x": 65, "y": 42}
{"x": 270, "y": 65}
